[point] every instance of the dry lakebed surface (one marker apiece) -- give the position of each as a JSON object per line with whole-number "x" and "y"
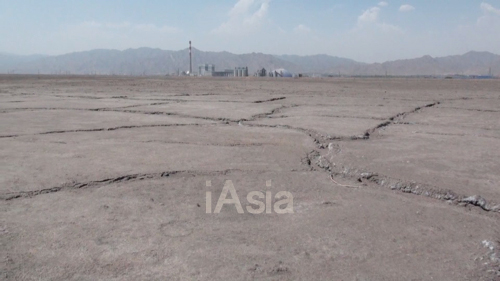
{"x": 119, "y": 178}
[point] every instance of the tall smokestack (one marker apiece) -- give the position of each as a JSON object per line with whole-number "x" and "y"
{"x": 190, "y": 60}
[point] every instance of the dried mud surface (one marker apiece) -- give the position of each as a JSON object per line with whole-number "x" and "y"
{"x": 105, "y": 178}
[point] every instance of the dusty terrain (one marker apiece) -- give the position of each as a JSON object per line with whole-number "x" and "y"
{"x": 105, "y": 178}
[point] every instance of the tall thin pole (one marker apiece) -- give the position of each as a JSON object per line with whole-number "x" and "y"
{"x": 190, "y": 60}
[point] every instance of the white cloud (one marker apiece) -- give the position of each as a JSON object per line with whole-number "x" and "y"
{"x": 370, "y": 19}
{"x": 490, "y": 18}
{"x": 406, "y": 8}
{"x": 245, "y": 15}
{"x": 241, "y": 7}
{"x": 479, "y": 36}
{"x": 372, "y": 39}
{"x": 302, "y": 28}
{"x": 370, "y": 15}
{"x": 258, "y": 16}
{"x": 383, "y": 4}
{"x": 488, "y": 8}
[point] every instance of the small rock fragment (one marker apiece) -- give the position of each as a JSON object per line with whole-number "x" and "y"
{"x": 330, "y": 146}
{"x": 495, "y": 208}
{"x": 367, "y": 175}
{"x": 488, "y": 244}
{"x": 476, "y": 200}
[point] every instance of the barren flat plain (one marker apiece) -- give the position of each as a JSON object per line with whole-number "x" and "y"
{"x": 106, "y": 178}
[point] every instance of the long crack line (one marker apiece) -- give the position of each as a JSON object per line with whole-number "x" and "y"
{"x": 126, "y": 178}
{"x": 396, "y": 118}
{"x": 316, "y": 161}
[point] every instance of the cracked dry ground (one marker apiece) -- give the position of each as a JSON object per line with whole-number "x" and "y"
{"x": 105, "y": 178}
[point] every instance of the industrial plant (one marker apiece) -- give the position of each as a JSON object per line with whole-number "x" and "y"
{"x": 241, "y": 71}
{"x": 208, "y": 70}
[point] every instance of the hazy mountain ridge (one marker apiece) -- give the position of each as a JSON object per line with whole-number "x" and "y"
{"x": 9, "y": 61}
{"x": 149, "y": 61}
{"x": 322, "y": 63}
{"x": 471, "y": 63}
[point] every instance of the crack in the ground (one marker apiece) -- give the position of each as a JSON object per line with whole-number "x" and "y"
{"x": 309, "y": 158}
{"x": 270, "y": 100}
{"x": 88, "y": 97}
{"x": 312, "y": 160}
{"x": 126, "y": 178}
{"x": 320, "y": 140}
{"x": 10, "y": 110}
{"x": 212, "y": 144}
{"x": 323, "y": 141}
{"x": 354, "y": 117}
{"x": 218, "y": 119}
{"x": 9, "y": 136}
{"x": 14, "y": 101}
{"x": 470, "y": 109}
{"x": 325, "y": 162}
{"x": 315, "y": 159}
{"x": 333, "y": 116}
{"x": 117, "y": 109}
{"x": 139, "y": 105}
{"x": 396, "y": 118}
{"x": 454, "y": 125}
{"x": 106, "y": 129}
{"x": 267, "y": 114}
{"x": 455, "y": 135}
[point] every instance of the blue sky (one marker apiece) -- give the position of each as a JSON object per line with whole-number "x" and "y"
{"x": 369, "y": 31}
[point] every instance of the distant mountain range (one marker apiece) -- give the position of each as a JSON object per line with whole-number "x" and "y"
{"x": 10, "y": 61}
{"x": 148, "y": 61}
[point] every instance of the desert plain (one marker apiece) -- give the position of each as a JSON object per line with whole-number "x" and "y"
{"x": 106, "y": 178}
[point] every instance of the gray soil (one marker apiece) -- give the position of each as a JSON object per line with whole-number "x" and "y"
{"x": 105, "y": 178}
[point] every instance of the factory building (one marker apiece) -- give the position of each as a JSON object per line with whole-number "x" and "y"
{"x": 206, "y": 70}
{"x": 240, "y": 71}
{"x": 224, "y": 73}
{"x": 209, "y": 70}
{"x": 261, "y": 73}
{"x": 280, "y": 73}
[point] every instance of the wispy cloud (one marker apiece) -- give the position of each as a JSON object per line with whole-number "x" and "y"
{"x": 488, "y": 8}
{"x": 245, "y": 15}
{"x": 480, "y": 35}
{"x": 370, "y": 19}
{"x": 369, "y": 16}
{"x": 490, "y": 18}
{"x": 241, "y": 7}
{"x": 371, "y": 30}
{"x": 406, "y": 8}
{"x": 383, "y": 4}
{"x": 301, "y": 28}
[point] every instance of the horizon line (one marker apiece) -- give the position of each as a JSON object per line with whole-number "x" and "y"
{"x": 239, "y": 54}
